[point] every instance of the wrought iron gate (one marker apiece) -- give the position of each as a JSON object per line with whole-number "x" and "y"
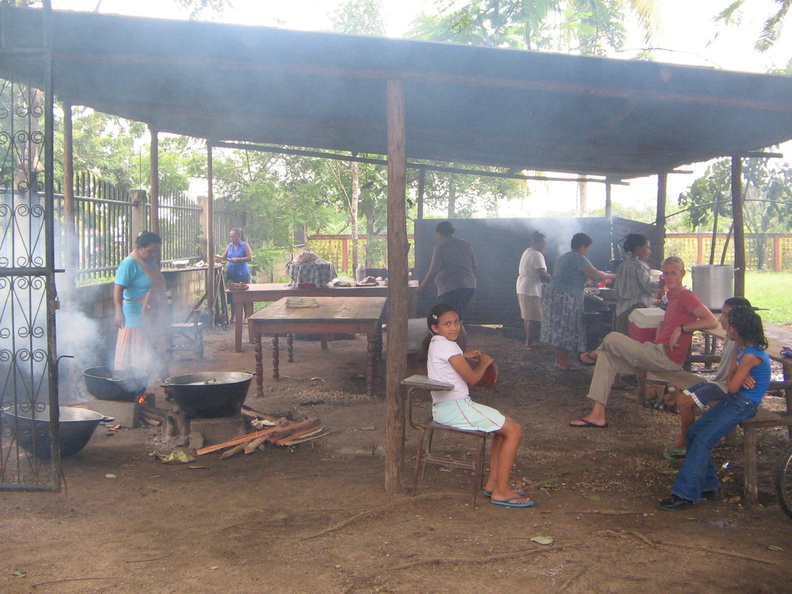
{"x": 29, "y": 448}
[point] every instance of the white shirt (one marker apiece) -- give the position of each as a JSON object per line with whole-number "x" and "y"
{"x": 439, "y": 369}
{"x": 529, "y": 282}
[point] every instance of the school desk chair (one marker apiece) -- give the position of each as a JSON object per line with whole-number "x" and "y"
{"x": 427, "y": 426}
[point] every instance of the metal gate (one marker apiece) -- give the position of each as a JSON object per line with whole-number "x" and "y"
{"x": 29, "y": 448}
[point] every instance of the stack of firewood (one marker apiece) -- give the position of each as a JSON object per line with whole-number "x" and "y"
{"x": 282, "y": 433}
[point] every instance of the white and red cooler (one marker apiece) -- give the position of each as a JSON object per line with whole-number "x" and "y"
{"x": 643, "y": 322}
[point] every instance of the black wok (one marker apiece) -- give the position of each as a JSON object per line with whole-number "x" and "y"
{"x": 112, "y": 384}
{"x": 209, "y": 393}
{"x": 76, "y": 425}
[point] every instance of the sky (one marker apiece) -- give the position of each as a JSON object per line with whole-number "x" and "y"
{"x": 685, "y": 28}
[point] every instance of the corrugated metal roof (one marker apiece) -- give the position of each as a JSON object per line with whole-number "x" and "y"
{"x": 516, "y": 109}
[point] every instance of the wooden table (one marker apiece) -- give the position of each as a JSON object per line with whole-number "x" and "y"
{"x": 274, "y": 291}
{"x": 342, "y": 314}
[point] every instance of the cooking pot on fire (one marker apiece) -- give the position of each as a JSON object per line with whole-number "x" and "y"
{"x": 209, "y": 393}
{"x": 32, "y": 428}
{"x": 112, "y": 384}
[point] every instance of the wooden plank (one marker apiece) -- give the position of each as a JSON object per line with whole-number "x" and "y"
{"x": 298, "y": 434}
{"x": 253, "y": 445}
{"x": 236, "y": 441}
{"x": 396, "y": 360}
{"x": 282, "y": 432}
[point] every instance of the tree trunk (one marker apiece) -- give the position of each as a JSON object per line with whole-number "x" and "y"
{"x": 451, "y": 197}
{"x": 353, "y": 207}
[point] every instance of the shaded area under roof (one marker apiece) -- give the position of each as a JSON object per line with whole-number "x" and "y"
{"x": 515, "y": 109}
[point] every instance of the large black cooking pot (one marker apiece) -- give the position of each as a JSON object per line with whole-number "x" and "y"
{"x": 112, "y": 384}
{"x": 76, "y": 425}
{"x": 209, "y": 393}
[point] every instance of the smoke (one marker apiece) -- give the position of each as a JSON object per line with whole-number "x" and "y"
{"x": 78, "y": 337}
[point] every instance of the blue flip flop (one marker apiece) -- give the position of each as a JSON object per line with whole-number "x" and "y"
{"x": 489, "y": 493}
{"x": 508, "y": 502}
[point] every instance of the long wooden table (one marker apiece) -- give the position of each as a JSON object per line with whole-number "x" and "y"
{"x": 341, "y": 314}
{"x": 275, "y": 291}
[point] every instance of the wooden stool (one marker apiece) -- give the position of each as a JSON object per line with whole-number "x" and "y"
{"x": 424, "y": 455}
{"x": 763, "y": 419}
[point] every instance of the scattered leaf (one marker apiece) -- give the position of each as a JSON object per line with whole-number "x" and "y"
{"x": 367, "y": 428}
{"x": 19, "y": 574}
{"x": 775, "y": 548}
{"x": 592, "y": 497}
{"x": 110, "y": 475}
{"x": 543, "y": 540}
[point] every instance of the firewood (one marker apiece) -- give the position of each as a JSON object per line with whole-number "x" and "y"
{"x": 232, "y": 452}
{"x": 281, "y": 432}
{"x": 249, "y": 412}
{"x": 253, "y": 445}
{"x": 243, "y": 439}
{"x": 298, "y": 434}
{"x": 295, "y": 441}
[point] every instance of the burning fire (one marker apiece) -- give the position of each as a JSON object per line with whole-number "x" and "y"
{"x": 142, "y": 398}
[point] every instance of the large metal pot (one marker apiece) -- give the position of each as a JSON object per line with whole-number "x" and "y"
{"x": 209, "y": 393}
{"x": 713, "y": 284}
{"x": 32, "y": 431}
{"x": 111, "y": 384}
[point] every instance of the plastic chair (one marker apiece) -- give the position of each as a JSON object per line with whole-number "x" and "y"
{"x": 427, "y": 427}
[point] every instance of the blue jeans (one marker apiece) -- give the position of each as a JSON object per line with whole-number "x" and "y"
{"x": 697, "y": 474}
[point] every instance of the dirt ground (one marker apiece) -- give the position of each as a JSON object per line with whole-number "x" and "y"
{"x": 315, "y": 518}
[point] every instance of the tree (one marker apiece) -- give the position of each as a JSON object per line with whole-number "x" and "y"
{"x": 773, "y": 25}
{"x": 768, "y": 200}
{"x": 588, "y": 27}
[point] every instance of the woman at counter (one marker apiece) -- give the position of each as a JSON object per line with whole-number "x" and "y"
{"x": 634, "y": 287}
{"x": 562, "y": 307}
{"x": 140, "y": 307}
{"x": 237, "y": 254}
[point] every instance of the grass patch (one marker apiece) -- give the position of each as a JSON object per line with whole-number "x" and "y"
{"x": 771, "y": 290}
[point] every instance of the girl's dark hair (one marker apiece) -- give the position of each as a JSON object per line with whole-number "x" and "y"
{"x": 239, "y": 232}
{"x": 633, "y": 241}
{"x": 146, "y": 238}
{"x": 580, "y": 240}
{"x": 748, "y": 324}
{"x": 737, "y": 302}
{"x": 537, "y": 237}
{"x": 432, "y": 320}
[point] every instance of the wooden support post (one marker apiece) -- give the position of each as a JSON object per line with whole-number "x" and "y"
{"x": 396, "y": 364}
{"x": 659, "y": 251}
{"x": 608, "y": 202}
{"x": 210, "y": 243}
{"x": 70, "y": 225}
{"x": 154, "y": 174}
{"x": 739, "y": 227}
{"x": 421, "y": 191}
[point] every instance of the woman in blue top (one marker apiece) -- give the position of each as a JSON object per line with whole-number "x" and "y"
{"x": 562, "y": 307}
{"x": 748, "y": 381}
{"x": 238, "y": 254}
{"x": 139, "y": 300}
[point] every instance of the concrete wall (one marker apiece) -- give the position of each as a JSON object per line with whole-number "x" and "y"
{"x": 96, "y": 301}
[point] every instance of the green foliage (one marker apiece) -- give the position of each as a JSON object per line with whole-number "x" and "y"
{"x": 767, "y": 189}
{"x": 266, "y": 257}
{"x": 362, "y": 17}
{"x": 590, "y": 27}
{"x": 773, "y": 25}
{"x": 771, "y": 290}
{"x": 458, "y": 195}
